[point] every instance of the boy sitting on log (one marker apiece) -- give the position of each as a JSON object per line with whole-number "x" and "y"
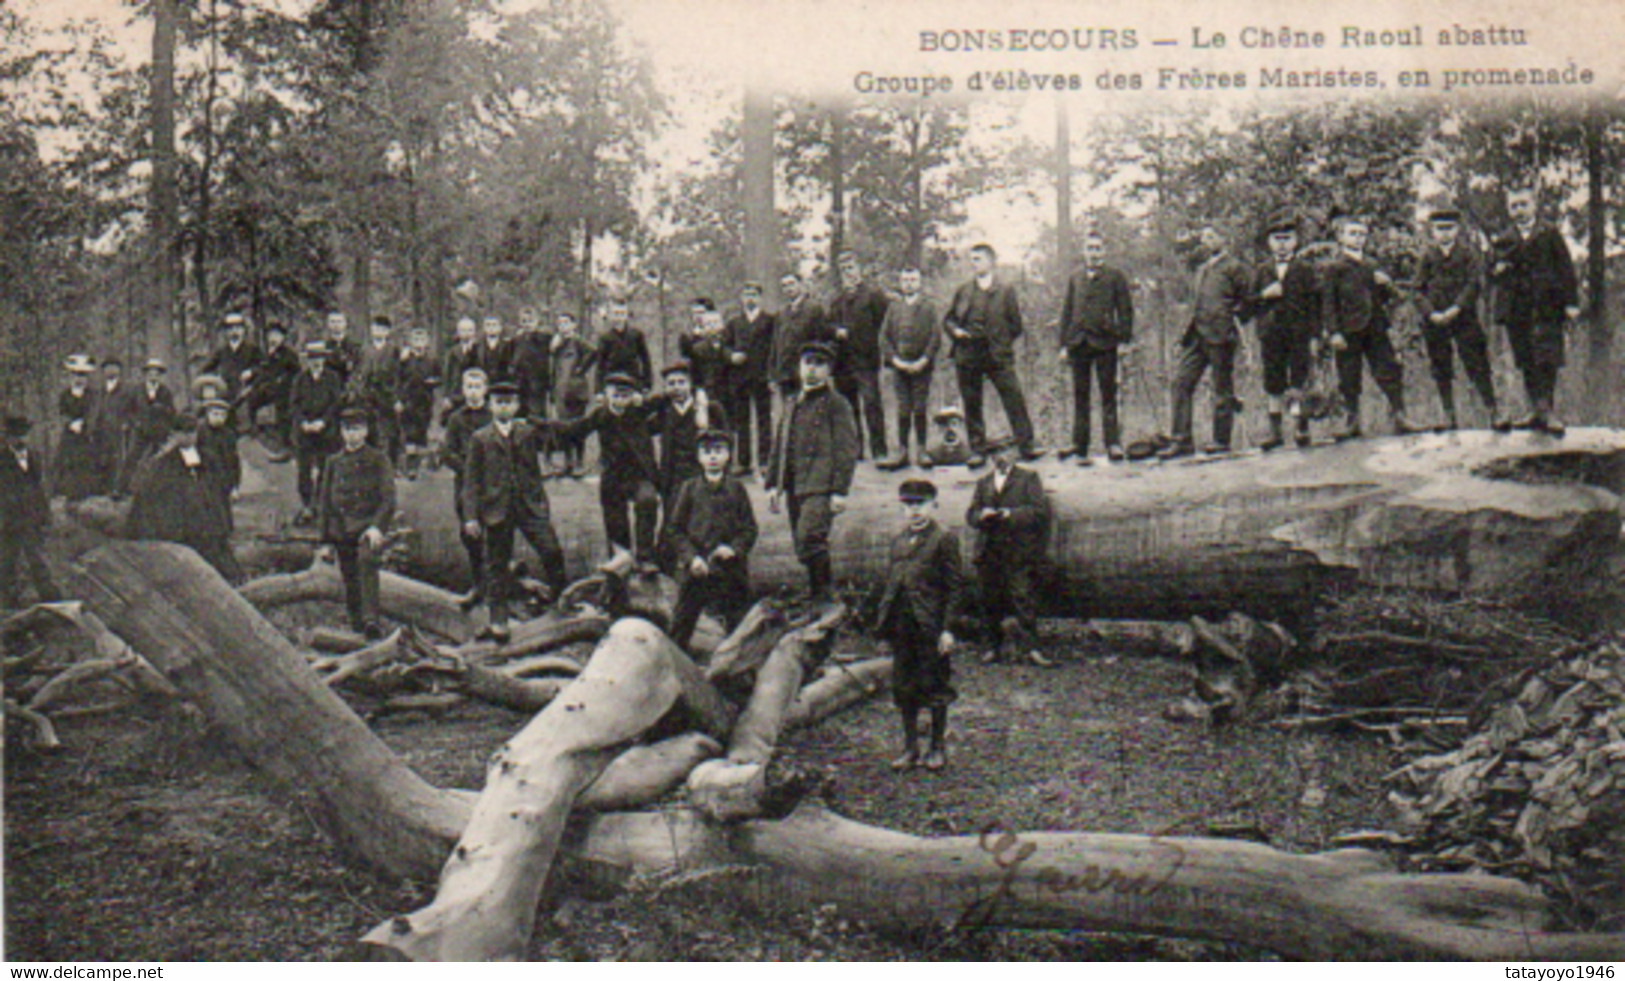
{"x": 357, "y": 504}
{"x": 710, "y": 532}
{"x": 923, "y": 586}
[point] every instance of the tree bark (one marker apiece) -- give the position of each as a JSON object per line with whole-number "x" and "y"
{"x": 427, "y": 607}
{"x": 761, "y": 220}
{"x": 179, "y": 614}
{"x": 165, "y": 339}
{"x": 1265, "y": 534}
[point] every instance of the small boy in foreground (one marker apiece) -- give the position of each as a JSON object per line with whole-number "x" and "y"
{"x": 924, "y": 583}
{"x": 711, "y": 530}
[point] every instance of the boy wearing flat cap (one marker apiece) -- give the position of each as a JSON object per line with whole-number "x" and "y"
{"x": 813, "y": 460}
{"x": 923, "y": 585}
{"x": 1285, "y": 310}
{"x": 503, "y": 494}
{"x": 710, "y": 531}
{"x": 677, "y": 416}
{"x": 1012, "y": 517}
{"x": 630, "y": 479}
{"x": 24, "y": 520}
{"x": 357, "y": 504}
{"x": 313, "y": 407}
{"x": 1448, "y": 284}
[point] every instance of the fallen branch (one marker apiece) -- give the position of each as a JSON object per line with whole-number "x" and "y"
{"x": 407, "y": 600}
{"x": 842, "y": 686}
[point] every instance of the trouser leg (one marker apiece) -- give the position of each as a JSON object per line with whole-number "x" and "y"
{"x": 850, "y": 390}
{"x": 1223, "y": 359}
{"x": 763, "y": 412}
{"x": 1008, "y": 385}
{"x": 970, "y": 377}
{"x": 1187, "y": 375}
{"x": 1386, "y": 370}
{"x": 1082, "y": 364}
{"x": 646, "y": 514}
{"x": 617, "y": 525}
{"x": 693, "y": 595}
{"x": 350, "y": 570}
{"x": 1474, "y": 348}
{"x": 498, "y": 559}
{"x": 813, "y": 522}
{"x": 1105, "y": 363}
{"x": 874, "y": 416}
{"x": 538, "y": 531}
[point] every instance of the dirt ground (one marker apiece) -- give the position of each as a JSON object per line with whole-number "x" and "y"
{"x": 143, "y": 841}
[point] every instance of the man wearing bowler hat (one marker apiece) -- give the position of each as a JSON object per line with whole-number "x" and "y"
{"x": 1448, "y": 284}
{"x": 1012, "y": 517}
{"x": 710, "y": 530}
{"x": 154, "y": 411}
{"x": 813, "y": 461}
{"x": 357, "y": 504}
{"x": 25, "y": 519}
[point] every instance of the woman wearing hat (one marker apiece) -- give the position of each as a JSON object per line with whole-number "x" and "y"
{"x": 77, "y": 473}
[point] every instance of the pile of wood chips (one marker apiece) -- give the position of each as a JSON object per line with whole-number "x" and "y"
{"x": 1537, "y": 789}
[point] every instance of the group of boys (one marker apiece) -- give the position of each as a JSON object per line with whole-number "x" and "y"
{"x": 1300, "y": 305}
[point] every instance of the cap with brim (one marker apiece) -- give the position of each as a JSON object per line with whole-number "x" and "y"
{"x": 949, "y": 412}
{"x": 80, "y": 364}
{"x": 505, "y": 387}
{"x": 216, "y": 404}
{"x": 751, "y": 287}
{"x": 620, "y": 380}
{"x": 276, "y": 328}
{"x": 678, "y": 367}
{"x": 714, "y": 437}
{"x": 233, "y": 320}
{"x": 208, "y": 386}
{"x": 153, "y": 364}
{"x": 1445, "y": 214}
{"x": 916, "y": 491}
{"x": 354, "y": 414}
{"x": 997, "y": 443}
{"x": 818, "y": 349}
{"x": 1282, "y": 221}
{"x": 17, "y": 426}
{"x": 315, "y": 349}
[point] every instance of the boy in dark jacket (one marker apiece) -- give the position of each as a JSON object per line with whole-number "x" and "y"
{"x": 622, "y": 349}
{"x": 357, "y": 504}
{"x": 923, "y": 585}
{"x": 750, "y": 342}
{"x": 1285, "y": 308}
{"x": 502, "y": 493}
{"x": 1096, "y": 320}
{"x": 710, "y": 531}
{"x": 1535, "y": 275}
{"x": 471, "y": 416}
{"x": 630, "y": 475}
{"x": 1447, "y": 290}
{"x": 813, "y": 460}
{"x": 419, "y": 377}
{"x": 1357, "y": 296}
{"x": 677, "y": 415}
{"x": 1012, "y": 516}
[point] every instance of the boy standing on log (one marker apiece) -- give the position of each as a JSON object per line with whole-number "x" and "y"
{"x": 467, "y": 419}
{"x": 909, "y": 337}
{"x": 1097, "y": 319}
{"x": 503, "y": 494}
{"x": 1357, "y": 295}
{"x": 1447, "y": 290}
{"x": 1285, "y": 307}
{"x": 357, "y": 504}
{"x": 1535, "y": 274}
{"x": 813, "y": 460}
{"x": 710, "y": 531}
{"x": 923, "y": 586}
{"x": 1012, "y": 515}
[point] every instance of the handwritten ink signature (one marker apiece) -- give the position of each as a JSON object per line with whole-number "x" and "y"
{"x": 1011, "y": 854}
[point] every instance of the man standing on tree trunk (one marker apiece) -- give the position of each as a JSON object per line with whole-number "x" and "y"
{"x": 1210, "y": 341}
{"x": 1096, "y": 320}
{"x": 984, "y": 323}
{"x": 750, "y": 338}
{"x": 357, "y": 504}
{"x": 1447, "y": 290}
{"x": 856, "y": 315}
{"x": 1357, "y": 297}
{"x": 813, "y": 461}
{"x": 1536, "y": 274}
{"x": 1012, "y": 517}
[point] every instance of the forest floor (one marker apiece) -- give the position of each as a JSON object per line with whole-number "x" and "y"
{"x": 144, "y": 840}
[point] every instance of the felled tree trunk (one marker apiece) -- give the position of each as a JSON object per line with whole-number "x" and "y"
{"x": 179, "y": 614}
{"x": 1256, "y": 533}
{"x": 420, "y": 604}
{"x": 486, "y": 905}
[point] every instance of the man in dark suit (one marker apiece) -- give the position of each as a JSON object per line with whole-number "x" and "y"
{"x": 1219, "y": 301}
{"x": 856, "y": 315}
{"x": 493, "y": 352}
{"x": 629, "y": 486}
{"x": 750, "y": 337}
{"x": 531, "y": 358}
{"x": 273, "y": 380}
{"x": 503, "y": 494}
{"x": 1012, "y": 516}
{"x": 1357, "y": 296}
{"x": 710, "y": 530}
{"x": 984, "y": 323}
{"x": 24, "y": 520}
{"x": 813, "y": 461}
{"x": 1096, "y": 320}
{"x": 461, "y": 355}
{"x": 922, "y": 590}
{"x": 154, "y": 411}
{"x": 1448, "y": 284}
{"x": 236, "y": 359}
{"x": 676, "y": 416}
{"x": 313, "y": 406}
{"x": 343, "y": 351}
{"x": 1536, "y": 275}
{"x": 378, "y": 384}
{"x": 464, "y": 421}
{"x": 357, "y": 504}
{"x": 1285, "y": 307}
{"x": 110, "y": 421}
